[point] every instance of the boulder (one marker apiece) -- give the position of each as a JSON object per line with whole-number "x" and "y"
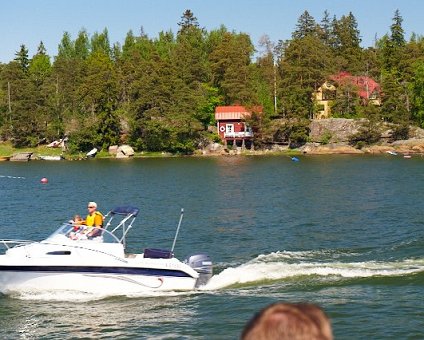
{"x": 113, "y": 149}
{"x": 336, "y": 130}
{"x": 124, "y": 151}
{"x": 413, "y": 145}
{"x": 378, "y": 149}
{"x": 214, "y": 147}
{"x": 317, "y": 149}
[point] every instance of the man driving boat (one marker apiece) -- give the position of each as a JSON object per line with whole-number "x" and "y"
{"x": 93, "y": 219}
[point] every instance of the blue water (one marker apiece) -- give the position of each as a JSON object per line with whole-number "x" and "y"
{"x": 344, "y": 232}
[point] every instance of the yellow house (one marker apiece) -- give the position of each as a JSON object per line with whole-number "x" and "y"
{"x": 367, "y": 89}
{"x": 322, "y": 97}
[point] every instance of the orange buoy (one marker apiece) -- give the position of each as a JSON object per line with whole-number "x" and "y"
{"x": 44, "y": 180}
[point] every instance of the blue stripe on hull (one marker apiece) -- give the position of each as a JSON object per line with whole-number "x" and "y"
{"x": 94, "y": 270}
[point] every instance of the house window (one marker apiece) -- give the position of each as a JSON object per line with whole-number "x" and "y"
{"x": 229, "y": 128}
{"x": 328, "y": 95}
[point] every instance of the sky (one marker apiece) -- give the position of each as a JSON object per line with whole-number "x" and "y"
{"x": 30, "y": 21}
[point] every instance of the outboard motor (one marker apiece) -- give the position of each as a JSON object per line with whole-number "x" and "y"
{"x": 201, "y": 263}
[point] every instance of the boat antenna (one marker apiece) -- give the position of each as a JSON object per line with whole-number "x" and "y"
{"x": 178, "y": 229}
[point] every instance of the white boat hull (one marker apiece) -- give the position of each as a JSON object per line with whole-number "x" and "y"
{"x": 91, "y": 267}
{"x": 96, "y": 283}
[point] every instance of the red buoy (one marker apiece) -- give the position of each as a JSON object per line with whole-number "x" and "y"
{"x": 44, "y": 180}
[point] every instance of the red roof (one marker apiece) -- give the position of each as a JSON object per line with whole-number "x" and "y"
{"x": 366, "y": 85}
{"x": 234, "y": 112}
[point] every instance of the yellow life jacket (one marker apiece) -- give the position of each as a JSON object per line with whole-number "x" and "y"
{"x": 95, "y": 220}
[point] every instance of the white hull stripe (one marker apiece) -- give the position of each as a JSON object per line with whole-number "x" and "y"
{"x": 94, "y": 270}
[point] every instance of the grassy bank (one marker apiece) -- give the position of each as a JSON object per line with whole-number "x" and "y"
{"x": 6, "y": 149}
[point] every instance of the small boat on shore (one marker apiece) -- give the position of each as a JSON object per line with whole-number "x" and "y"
{"x": 92, "y": 153}
{"x": 4, "y": 158}
{"x": 391, "y": 152}
{"x": 71, "y": 260}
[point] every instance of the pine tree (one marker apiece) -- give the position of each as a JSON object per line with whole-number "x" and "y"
{"x": 41, "y": 49}
{"x": 305, "y": 26}
{"x": 306, "y": 64}
{"x": 231, "y": 69}
{"x": 397, "y": 32}
{"x": 82, "y": 45}
{"x": 347, "y": 44}
{"x": 418, "y": 93}
{"x": 66, "y": 49}
{"x": 188, "y": 21}
{"x": 100, "y": 43}
{"x": 326, "y": 29}
{"x": 22, "y": 58}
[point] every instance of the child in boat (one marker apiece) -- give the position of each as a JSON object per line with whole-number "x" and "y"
{"x": 77, "y": 221}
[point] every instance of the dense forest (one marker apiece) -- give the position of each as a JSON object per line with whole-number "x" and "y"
{"x": 159, "y": 94}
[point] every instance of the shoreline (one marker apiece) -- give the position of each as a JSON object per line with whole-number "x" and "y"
{"x": 402, "y": 148}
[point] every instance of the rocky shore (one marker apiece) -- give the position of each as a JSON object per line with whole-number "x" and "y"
{"x": 407, "y": 147}
{"x": 331, "y": 136}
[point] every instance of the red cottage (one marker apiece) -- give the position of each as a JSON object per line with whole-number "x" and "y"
{"x": 231, "y": 125}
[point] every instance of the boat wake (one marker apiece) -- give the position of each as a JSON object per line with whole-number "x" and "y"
{"x": 278, "y": 266}
{"x": 78, "y": 296}
{"x": 283, "y": 265}
{"x": 13, "y": 177}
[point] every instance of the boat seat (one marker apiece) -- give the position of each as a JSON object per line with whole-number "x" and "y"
{"x": 152, "y": 253}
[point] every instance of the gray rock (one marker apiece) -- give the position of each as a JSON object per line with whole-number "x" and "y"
{"x": 124, "y": 151}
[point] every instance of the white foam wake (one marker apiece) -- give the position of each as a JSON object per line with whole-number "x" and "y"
{"x": 274, "y": 267}
{"x": 77, "y": 296}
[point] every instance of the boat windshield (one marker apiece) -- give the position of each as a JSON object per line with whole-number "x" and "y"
{"x": 82, "y": 232}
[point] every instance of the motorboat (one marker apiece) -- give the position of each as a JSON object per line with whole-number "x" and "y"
{"x": 92, "y": 153}
{"x": 94, "y": 260}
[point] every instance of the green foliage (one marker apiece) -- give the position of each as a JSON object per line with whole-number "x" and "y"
{"x": 22, "y": 58}
{"x": 230, "y": 68}
{"x": 305, "y": 26}
{"x": 108, "y": 130}
{"x": 188, "y": 21}
{"x": 347, "y": 101}
{"x": 305, "y": 66}
{"x": 82, "y": 140}
{"x": 369, "y": 133}
{"x": 294, "y": 132}
{"x": 346, "y": 44}
{"x": 326, "y": 137}
{"x": 395, "y": 104}
{"x": 160, "y": 94}
{"x": 396, "y": 29}
{"x": 209, "y": 100}
{"x": 417, "y": 89}
{"x": 100, "y": 43}
{"x": 400, "y": 132}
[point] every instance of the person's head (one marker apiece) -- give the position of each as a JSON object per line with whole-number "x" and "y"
{"x": 77, "y": 218}
{"x": 289, "y": 321}
{"x": 92, "y": 207}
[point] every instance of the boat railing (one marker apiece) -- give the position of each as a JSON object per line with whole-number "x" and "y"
{"x": 81, "y": 232}
{"x": 125, "y": 216}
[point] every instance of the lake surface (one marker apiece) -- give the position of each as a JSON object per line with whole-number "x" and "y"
{"x": 344, "y": 232}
